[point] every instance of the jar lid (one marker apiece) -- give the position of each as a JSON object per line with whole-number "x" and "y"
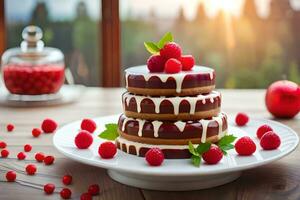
{"x": 32, "y": 50}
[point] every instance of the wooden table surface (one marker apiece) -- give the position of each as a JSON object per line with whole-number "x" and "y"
{"x": 279, "y": 180}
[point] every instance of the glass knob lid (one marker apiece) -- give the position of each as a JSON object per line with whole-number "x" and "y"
{"x": 32, "y": 36}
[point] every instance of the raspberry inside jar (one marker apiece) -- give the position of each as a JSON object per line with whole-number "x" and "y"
{"x": 33, "y": 79}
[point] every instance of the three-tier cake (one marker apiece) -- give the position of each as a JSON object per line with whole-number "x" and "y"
{"x": 168, "y": 110}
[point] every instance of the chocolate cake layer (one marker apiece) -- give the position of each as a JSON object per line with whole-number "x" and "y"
{"x": 197, "y": 81}
{"x": 140, "y": 149}
{"x": 172, "y": 108}
{"x": 202, "y": 129}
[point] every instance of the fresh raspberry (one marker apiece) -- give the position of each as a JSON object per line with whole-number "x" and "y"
{"x": 27, "y": 147}
{"x": 154, "y": 157}
{"x": 65, "y": 193}
{"x": 49, "y": 188}
{"x": 156, "y": 63}
{"x": 39, "y": 157}
{"x": 21, "y": 156}
{"x": 245, "y": 146}
{"x": 67, "y": 179}
{"x": 213, "y": 155}
{"x": 94, "y": 189}
{"x": 30, "y": 169}
{"x": 170, "y": 50}
{"x": 2, "y": 145}
{"x": 88, "y": 125}
{"x": 4, "y": 153}
{"x": 49, "y": 125}
{"x": 83, "y": 140}
{"x": 241, "y": 119}
{"x": 36, "y": 132}
{"x": 49, "y": 160}
{"x": 173, "y": 66}
{"x": 11, "y": 176}
{"x": 262, "y": 130}
{"x": 187, "y": 62}
{"x": 270, "y": 141}
{"x": 10, "y": 127}
{"x": 86, "y": 196}
{"x": 107, "y": 150}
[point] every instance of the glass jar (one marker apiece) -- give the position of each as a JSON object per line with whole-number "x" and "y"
{"x": 33, "y": 69}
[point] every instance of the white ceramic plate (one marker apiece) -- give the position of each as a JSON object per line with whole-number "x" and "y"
{"x": 134, "y": 171}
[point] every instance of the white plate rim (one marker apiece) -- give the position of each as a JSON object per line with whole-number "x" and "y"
{"x": 106, "y": 165}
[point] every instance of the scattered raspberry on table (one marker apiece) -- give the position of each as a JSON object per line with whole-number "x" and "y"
{"x": 49, "y": 188}
{"x": 11, "y": 176}
{"x": 66, "y": 193}
{"x": 49, "y": 125}
{"x": 241, "y": 119}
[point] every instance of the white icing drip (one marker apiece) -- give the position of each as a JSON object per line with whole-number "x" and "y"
{"x": 127, "y": 148}
{"x": 175, "y": 101}
{"x": 124, "y": 123}
{"x": 211, "y": 75}
{"x": 179, "y": 81}
{"x": 156, "y": 126}
{"x": 157, "y": 102}
{"x": 204, "y": 129}
{"x": 180, "y": 125}
{"x": 126, "y": 79}
{"x": 219, "y": 120}
{"x": 138, "y": 145}
{"x": 137, "y": 149}
{"x": 192, "y": 106}
{"x": 141, "y": 125}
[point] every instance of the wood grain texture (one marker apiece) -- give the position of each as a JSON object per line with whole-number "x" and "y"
{"x": 111, "y": 54}
{"x": 279, "y": 180}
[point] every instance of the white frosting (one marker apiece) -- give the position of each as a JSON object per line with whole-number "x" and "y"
{"x": 138, "y": 145}
{"x": 204, "y": 129}
{"x": 219, "y": 120}
{"x": 211, "y": 75}
{"x": 156, "y": 126}
{"x": 126, "y": 79}
{"x": 175, "y": 101}
{"x": 141, "y": 125}
{"x": 179, "y": 77}
{"x": 179, "y": 124}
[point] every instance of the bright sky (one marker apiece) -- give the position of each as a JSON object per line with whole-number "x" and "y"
{"x": 66, "y": 9}
{"x": 169, "y": 8}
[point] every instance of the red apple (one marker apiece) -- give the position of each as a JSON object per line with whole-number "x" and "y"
{"x": 283, "y": 99}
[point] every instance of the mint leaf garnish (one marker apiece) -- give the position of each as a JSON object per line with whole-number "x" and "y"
{"x": 225, "y": 143}
{"x": 192, "y": 150}
{"x": 111, "y": 132}
{"x": 203, "y": 147}
{"x": 197, "y": 152}
{"x": 168, "y": 37}
{"x": 196, "y": 160}
{"x": 151, "y": 47}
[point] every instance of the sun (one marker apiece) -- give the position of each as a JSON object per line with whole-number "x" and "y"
{"x": 227, "y": 6}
